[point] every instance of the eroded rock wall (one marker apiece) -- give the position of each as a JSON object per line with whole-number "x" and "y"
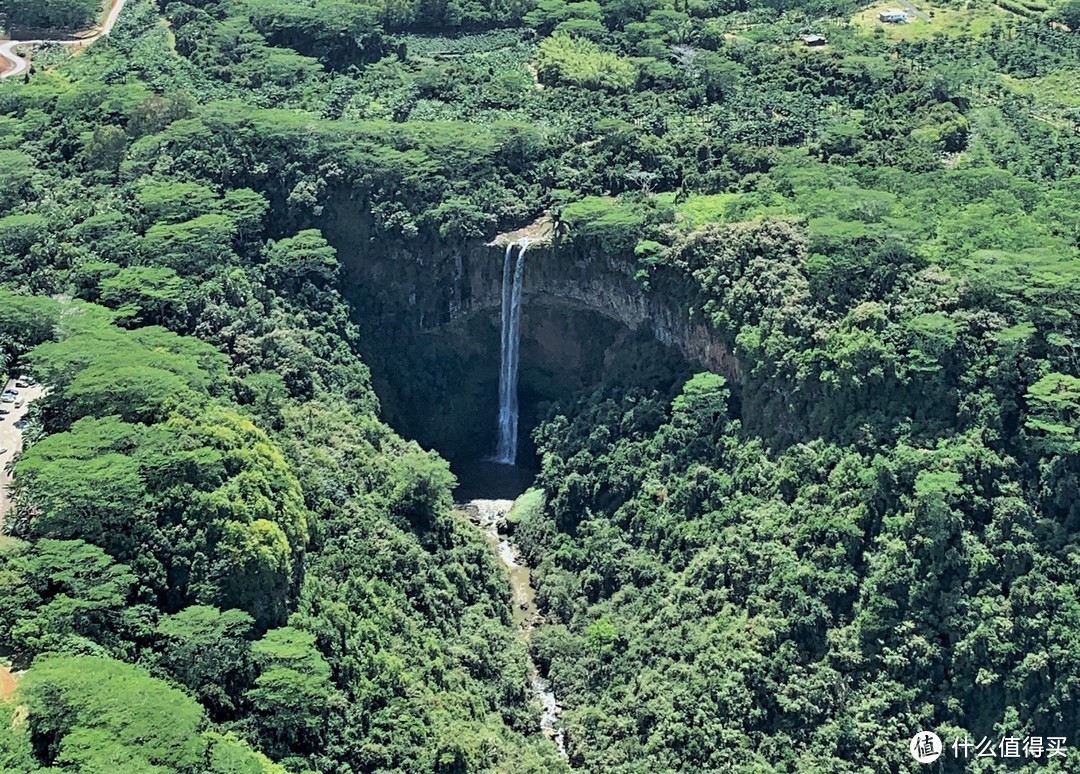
{"x": 429, "y": 316}
{"x": 441, "y": 284}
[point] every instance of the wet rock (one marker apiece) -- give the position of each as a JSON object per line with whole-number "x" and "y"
{"x": 489, "y": 516}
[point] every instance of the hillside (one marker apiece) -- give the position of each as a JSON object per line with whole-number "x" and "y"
{"x": 778, "y": 342}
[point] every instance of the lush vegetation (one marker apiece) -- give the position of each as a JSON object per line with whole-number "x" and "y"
{"x": 220, "y": 559}
{"x": 50, "y": 14}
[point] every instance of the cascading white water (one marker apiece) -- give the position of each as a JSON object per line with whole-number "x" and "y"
{"x": 503, "y": 444}
{"x": 514, "y": 341}
{"x": 510, "y": 337}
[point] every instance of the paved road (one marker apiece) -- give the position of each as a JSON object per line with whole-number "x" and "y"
{"x": 11, "y": 438}
{"x": 9, "y": 48}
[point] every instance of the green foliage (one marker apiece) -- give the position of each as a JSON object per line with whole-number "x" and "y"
{"x": 579, "y": 62}
{"x": 16, "y": 749}
{"x": 230, "y": 755}
{"x": 715, "y": 551}
{"x": 292, "y": 693}
{"x": 619, "y": 223}
{"x": 307, "y": 257}
{"x": 86, "y": 711}
{"x": 140, "y": 375}
{"x": 19, "y": 232}
{"x": 25, "y": 321}
{"x": 420, "y": 486}
{"x": 105, "y": 148}
{"x": 62, "y": 596}
{"x": 17, "y": 171}
{"x": 864, "y": 525}
{"x": 190, "y": 245}
{"x": 152, "y": 295}
{"x": 1055, "y": 412}
{"x": 51, "y": 14}
{"x": 197, "y": 480}
{"x": 1069, "y": 13}
{"x": 80, "y": 491}
{"x": 174, "y": 202}
{"x": 208, "y": 651}
{"x": 93, "y": 714}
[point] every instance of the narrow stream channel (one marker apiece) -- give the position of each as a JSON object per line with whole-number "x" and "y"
{"x": 490, "y": 517}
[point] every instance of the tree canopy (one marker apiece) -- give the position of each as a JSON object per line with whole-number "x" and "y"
{"x": 826, "y": 493}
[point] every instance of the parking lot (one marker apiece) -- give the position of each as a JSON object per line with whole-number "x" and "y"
{"x": 11, "y": 425}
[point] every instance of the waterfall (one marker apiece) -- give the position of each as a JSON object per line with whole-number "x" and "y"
{"x": 503, "y": 445}
{"x": 510, "y": 337}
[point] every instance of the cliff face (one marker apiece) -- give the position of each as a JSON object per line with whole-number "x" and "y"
{"x": 441, "y": 285}
{"x": 429, "y": 316}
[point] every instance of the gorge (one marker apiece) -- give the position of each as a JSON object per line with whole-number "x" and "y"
{"x": 465, "y": 333}
{"x": 489, "y": 516}
{"x": 536, "y": 387}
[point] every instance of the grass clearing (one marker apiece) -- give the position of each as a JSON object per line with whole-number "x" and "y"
{"x": 974, "y": 20}
{"x": 701, "y": 210}
{"x": 1058, "y": 89}
{"x": 707, "y": 208}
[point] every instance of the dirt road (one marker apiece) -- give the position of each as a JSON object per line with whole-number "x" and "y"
{"x": 7, "y": 682}
{"x": 11, "y": 438}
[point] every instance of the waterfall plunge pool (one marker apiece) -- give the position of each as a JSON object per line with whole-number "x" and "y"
{"x": 491, "y": 480}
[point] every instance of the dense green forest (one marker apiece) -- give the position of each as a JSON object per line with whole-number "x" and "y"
{"x": 50, "y": 14}
{"x": 222, "y": 559}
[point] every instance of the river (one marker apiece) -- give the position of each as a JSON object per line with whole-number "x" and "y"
{"x": 490, "y": 517}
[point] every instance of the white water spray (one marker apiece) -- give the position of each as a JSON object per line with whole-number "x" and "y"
{"x": 510, "y": 338}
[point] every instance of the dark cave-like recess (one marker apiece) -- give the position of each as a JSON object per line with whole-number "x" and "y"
{"x": 429, "y": 319}
{"x": 440, "y": 387}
